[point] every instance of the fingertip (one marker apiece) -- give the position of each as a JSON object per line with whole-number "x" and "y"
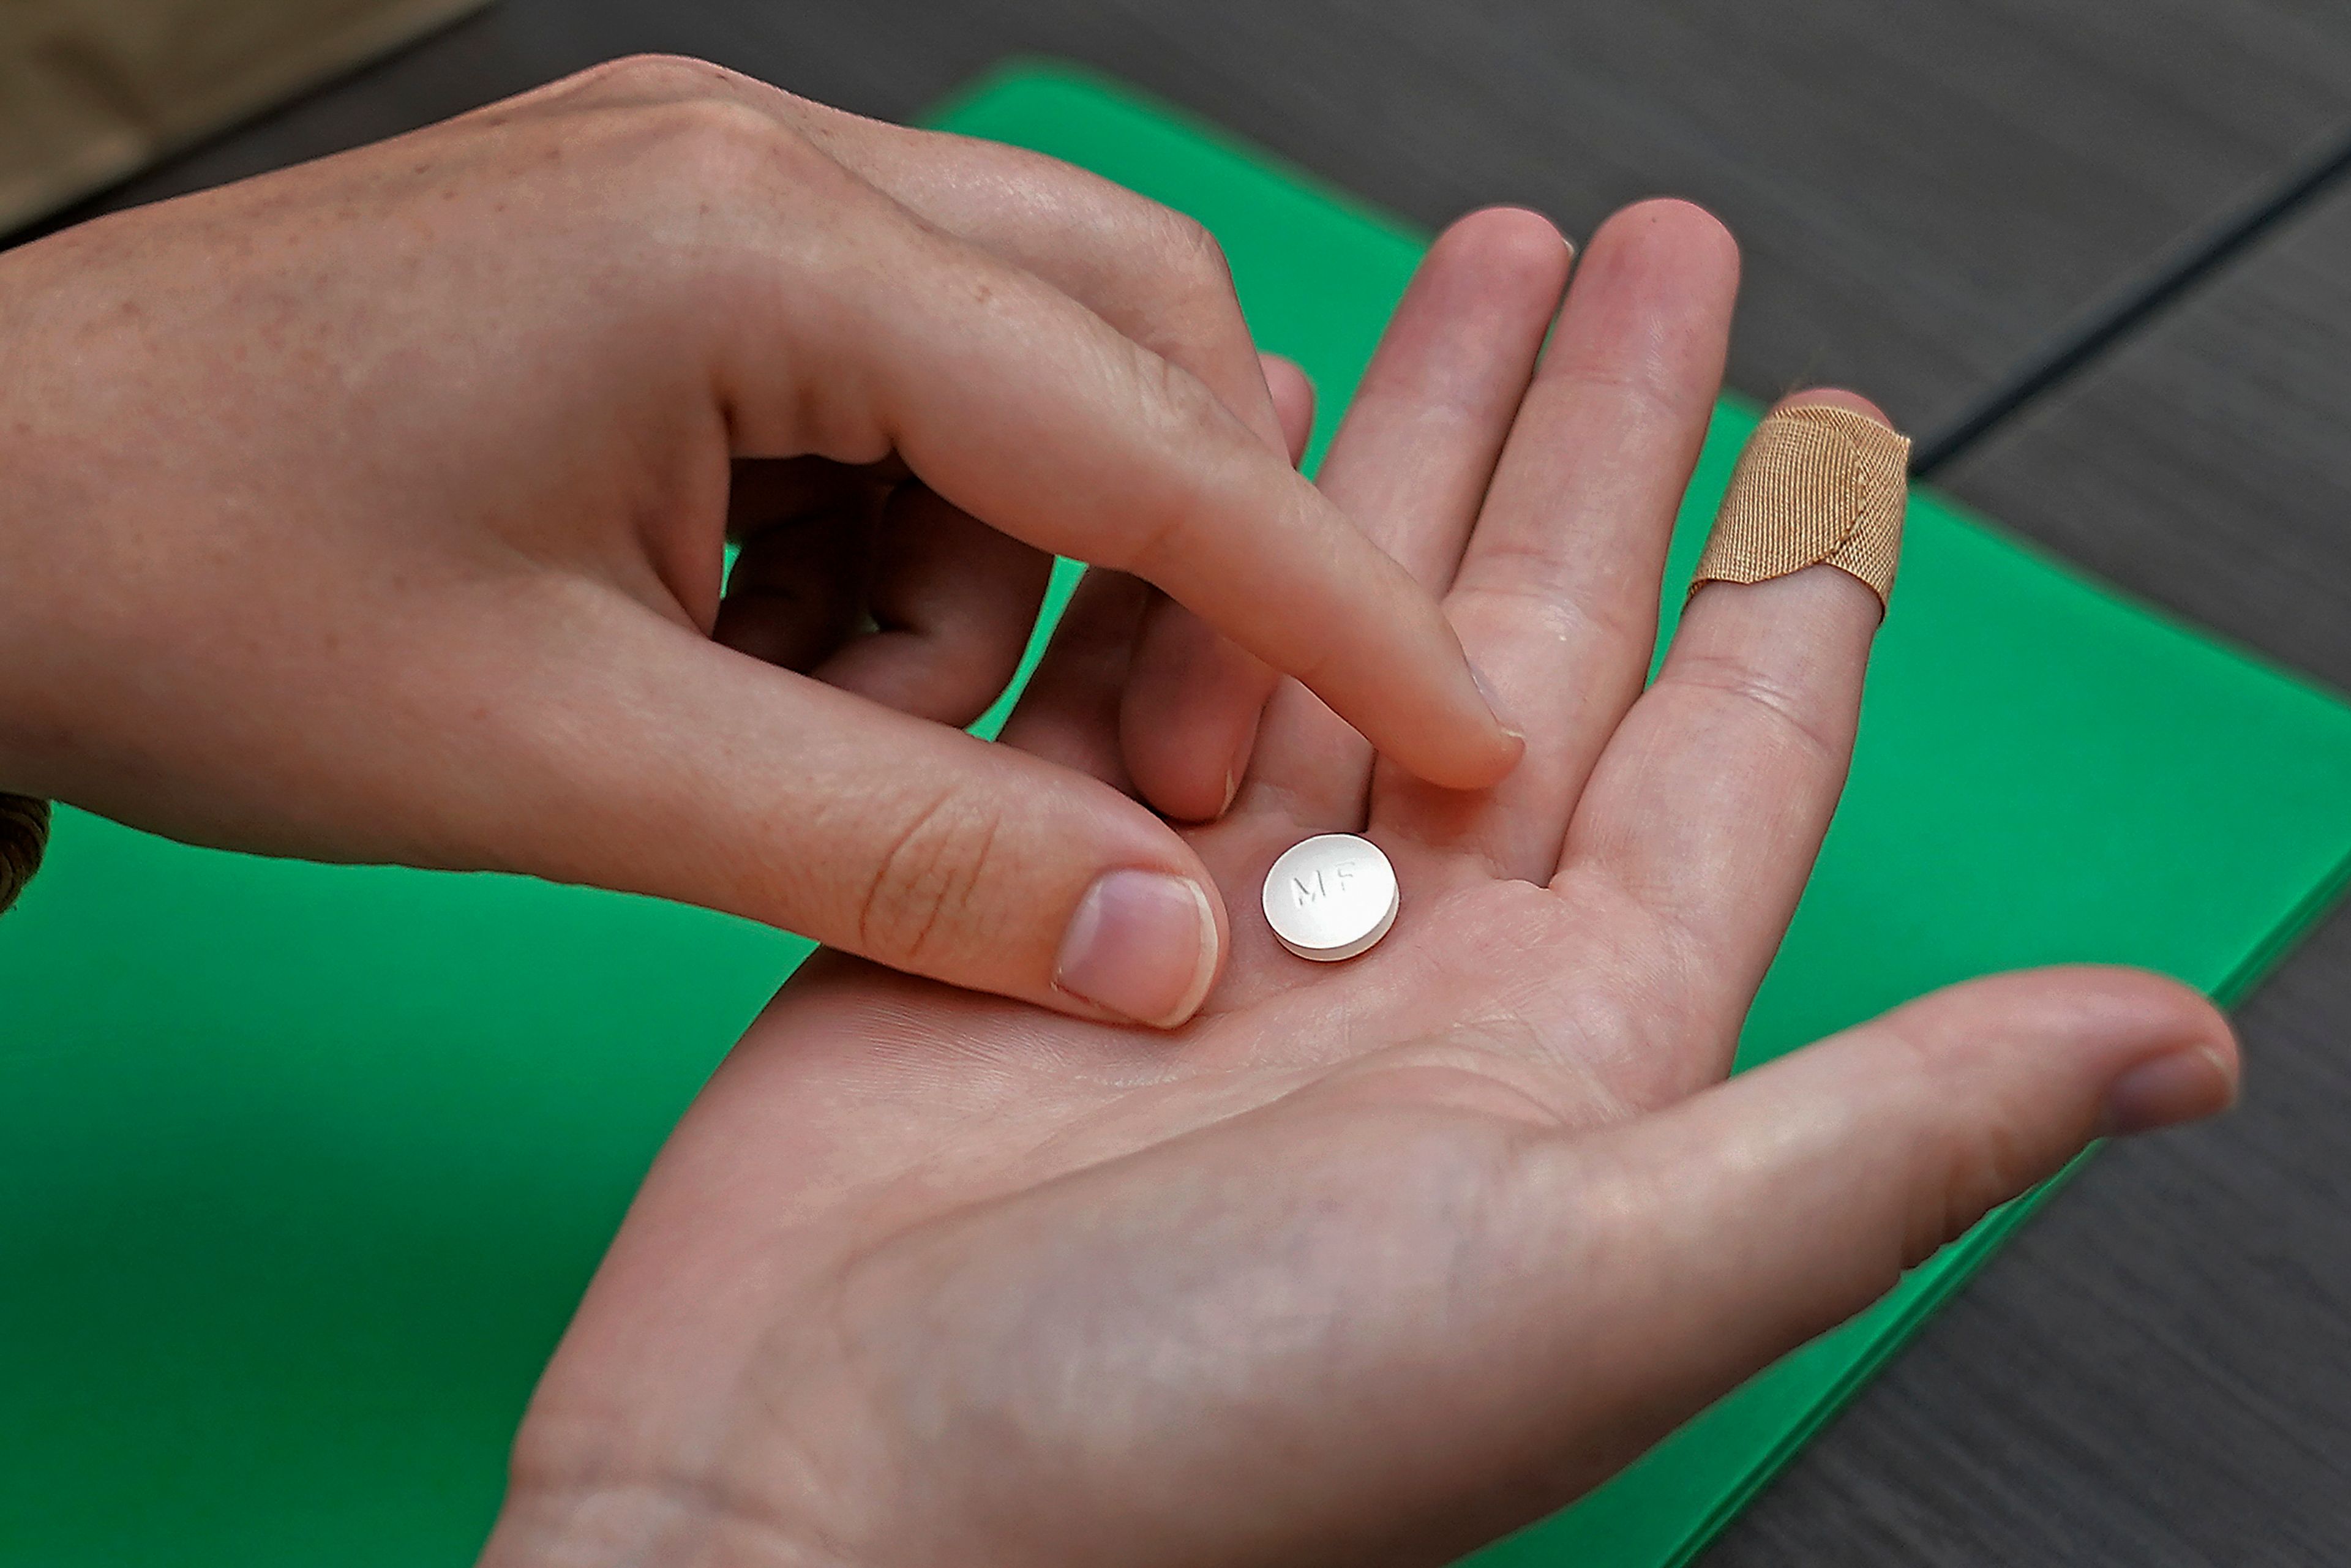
{"x": 2152, "y": 1051}
{"x": 1511, "y": 241}
{"x": 1188, "y": 721}
{"x": 2183, "y": 1085}
{"x": 2111, "y": 1008}
{"x": 1835, "y": 397}
{"x": 1681, "y": 224}
{"x": 1145, "y": 946}
{"x": 2174, "y": 1056}
{"x": 1510, "y": 750}
{"x": 1479, "y": 765}
{"x": 1191, "y": 781}
{"x": 1490, "y": 272}
{"x": 1509, "y": 741}
{"x": 1478, "y": 750}
{"x": 1660, "y": 261}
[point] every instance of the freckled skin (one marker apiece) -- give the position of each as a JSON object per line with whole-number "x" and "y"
{"x": 378, "y": 510}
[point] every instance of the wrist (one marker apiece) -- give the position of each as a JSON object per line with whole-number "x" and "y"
{"x": 30, "y": 638}
{"x": 24, "y": 817}
{"x": 68, "y": 575}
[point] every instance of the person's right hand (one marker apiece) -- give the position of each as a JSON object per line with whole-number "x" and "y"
{"x": 376, "y": 510}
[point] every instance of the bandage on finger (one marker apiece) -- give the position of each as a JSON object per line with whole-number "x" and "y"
{"x": 1817, "y": 485}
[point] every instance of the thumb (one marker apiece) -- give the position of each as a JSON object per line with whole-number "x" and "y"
{"x": 657, "y": 762}
{"x": 1771, "y": 1207}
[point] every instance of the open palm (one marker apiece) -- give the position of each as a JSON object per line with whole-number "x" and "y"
{"x": 1372, "y": 1260}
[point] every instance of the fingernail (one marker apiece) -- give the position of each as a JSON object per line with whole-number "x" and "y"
{"x": 2181, "y": 1086}
{"x": 1232, "y": 787}
{"x": 1494, "y": 704}
{"x": 1143, "y": 944}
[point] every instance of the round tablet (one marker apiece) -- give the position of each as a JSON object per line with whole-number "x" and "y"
{"x": 1330, "y": 897}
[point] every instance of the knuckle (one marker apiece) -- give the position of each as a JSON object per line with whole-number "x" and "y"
{"x": 1646, "y": 400}
{"x": 1979, "y": 1144}
{"x": 1196, "y": 310}
{"x": 1190, "y": 253}
{"x": 1777, "y": 708}
{"x": 1186, "y": 418}
{"x": 1194, "y": 414}
{"x": 1184, "y": 400}
{"x": 925, "y": 897}
{"x": 720, "y": 143}
{"x": 1976, "y": 1173}
{"x": 1172, "y": 285}
{"x": 653, "y": 78}
{"x": 692, "y": 131}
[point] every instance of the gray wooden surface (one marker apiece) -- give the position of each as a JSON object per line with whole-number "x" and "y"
{"x": 1923, "y": 192}
{"x": 2205, "y": 462}
{"x": 2159, "y": 1371}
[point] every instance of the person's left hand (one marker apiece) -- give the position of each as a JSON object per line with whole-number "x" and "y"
{"x": 1378, "y": 1259}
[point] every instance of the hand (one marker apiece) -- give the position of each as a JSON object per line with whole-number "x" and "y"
{"x": 1373, "y": 1260}
{"x": 376, "y": 510}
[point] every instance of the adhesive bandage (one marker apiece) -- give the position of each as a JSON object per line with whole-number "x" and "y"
{"x": 1817, "y": 485}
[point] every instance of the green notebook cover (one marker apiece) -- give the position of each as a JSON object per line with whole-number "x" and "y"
{"x": 301, "y": 1168}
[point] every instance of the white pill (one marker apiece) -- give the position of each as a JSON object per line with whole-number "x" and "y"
{"x": 1330, "y": 897}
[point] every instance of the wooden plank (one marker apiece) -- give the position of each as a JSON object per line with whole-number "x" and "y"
{"x": 1923, "y": 192}
{"x": 93, "y": 91}
{"x": 2206, "y": 464}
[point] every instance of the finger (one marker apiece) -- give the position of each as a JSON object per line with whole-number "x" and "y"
{"x": 1154, "y": 275}
{"x": 1157, "y": 276}
{"x": 1293, "y": 403}
{"x": 1027, "y": 411}
{"x": 659, "y": 763}
{"x": 1706, "y": 810}
{"x": 1556, "y": 597}
{"x": 1709, "y": 1239}
{"x": 1032, "y": 412}
{"x": 1069, "y": 714}
{"x": 953, "y": 603}
{"x": 1192, "y": 697}
{"x": 1412, "y": 460}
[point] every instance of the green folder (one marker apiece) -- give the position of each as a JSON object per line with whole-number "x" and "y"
{"x": 301, "y": 1168}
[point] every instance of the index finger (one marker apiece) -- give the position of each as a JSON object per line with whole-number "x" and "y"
{"x": 1029, "y": 412}
{"x": 1191, "y": 700}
